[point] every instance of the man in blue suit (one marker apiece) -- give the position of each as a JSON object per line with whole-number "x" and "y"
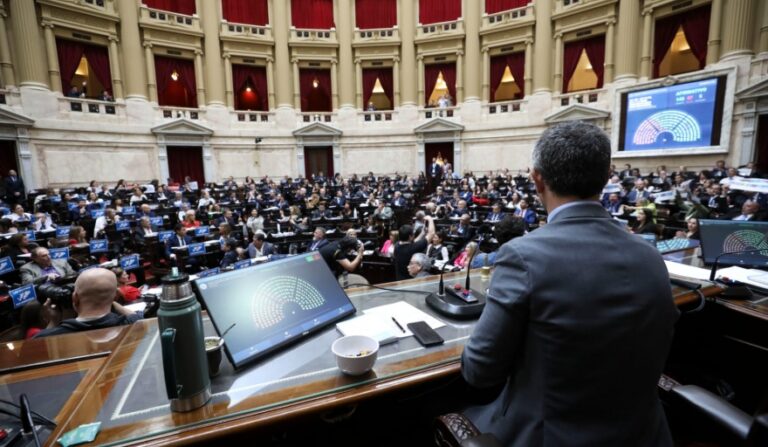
{"x": 567, "y": 314}
{"x": 260, "y": 247}
{"x": 179, "y": 239}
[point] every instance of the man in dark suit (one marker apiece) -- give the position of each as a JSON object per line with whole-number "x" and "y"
{"x": 260, "y": 247}
{"x": 14, "y": 188}
{"x": 179, "y": 239}
{"x": 318, "y": 239}
{"x": 435, "y": 172}
{"x": 567, "y": 314}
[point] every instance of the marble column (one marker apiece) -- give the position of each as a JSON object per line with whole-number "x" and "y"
{"x": 229, "y": 89}
{"x": 6, "y": 65}
{"x": 459, "y": 78}
{"x": 396, "y": 82}
{"x": 764, "y": 31}
{"x": 714, "y": 38}
{"x": 149, "y": 57}
{"x": 542, "y": 51}
{"x": 528, "y": 69}
{"x": 214, "y": 70}
{"x": 54, "y": 75}
{"x": 558, "y": 78}
{"x": 737, "y": 30}
{"x": 334, "y": 84}
{"x": 345, "y": 68}
{"x": 409, "y": 79}
{"x": 645, "y": 54}
{"x": 486, "y": 74}
{"x": 472, "y": 84}
{"x": 359, "y": 85}
{"x": 270, "y": 82}
{"x": 28, "y": 45}
{"x": 628, "y": 27}
{"x": 420, "y": 80}
{"x": 296, "y": 85}
{"x": 114, "y": 68}
{"x": 136, "y": 80}
{"x": 281, "y": 32}
{"x": 609, "y": 58}
{"x": 199, "y": 78}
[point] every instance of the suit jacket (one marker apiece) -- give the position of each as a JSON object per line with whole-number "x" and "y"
{"x": 12, "y": 187}
{"x": 317, "y": 245}
{"x": 566, "y": 315}
{"x": 267, "y": 249}
{"x": 32, "y": 273}
{"x": 173, "y": 241}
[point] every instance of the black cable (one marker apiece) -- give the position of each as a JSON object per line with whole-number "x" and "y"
{"x": 387, "y": 288}
{"x": 34, "y": 413}
{"x": 16, "y": 415}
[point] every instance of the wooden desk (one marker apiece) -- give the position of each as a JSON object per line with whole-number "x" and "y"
{"x": 126, "y": 392}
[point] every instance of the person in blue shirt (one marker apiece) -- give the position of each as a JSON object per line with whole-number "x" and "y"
{"x": 524, "y": 212}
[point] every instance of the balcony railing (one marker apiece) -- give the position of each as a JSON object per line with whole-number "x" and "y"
{"x": 248, "y": 116}
{"x": 580, "y": 97}
{"x": 438, "y": 112}
{"x": 315, "y": 117}
{"x": 88, "y": 106}
{"x": 376, "y": 35}
{"x": 174, "y": 113}
{"x": 377, "y": 116}
{"x": 454, "y": 27}
{"x": 509, "y": 16}
{"x": 313, "y": 35}
{"x": 169, "y": 18}
{"x": 497, "y": 108}
{"x": 230, "y": 29}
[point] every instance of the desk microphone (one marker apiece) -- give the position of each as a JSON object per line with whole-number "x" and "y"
{"x": 457, "y": 302}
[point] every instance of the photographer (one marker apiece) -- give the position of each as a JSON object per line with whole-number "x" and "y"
{"x": 336, "y": 254}
{"x": 43, "y": 269}
{"x": 93, "y": 301}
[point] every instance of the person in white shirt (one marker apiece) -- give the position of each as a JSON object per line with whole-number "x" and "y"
{"x": 205, "y": 201}
{"x": 19, "y": 214}
{"x": 137, "y": 197}
{"x": 43, "y": 222}
{"x": 109, "y": 217}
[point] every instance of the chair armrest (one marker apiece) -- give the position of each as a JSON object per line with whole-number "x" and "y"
{"x": 717, "y": 409}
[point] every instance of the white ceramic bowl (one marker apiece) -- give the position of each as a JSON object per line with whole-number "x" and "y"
{"x": 355, "y": 354}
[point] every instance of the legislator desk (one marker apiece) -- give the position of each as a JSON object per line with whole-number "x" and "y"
{"x": 115, "y": 376}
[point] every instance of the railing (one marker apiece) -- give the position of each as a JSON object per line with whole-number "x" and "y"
{"x": 149, "y": 15}
{"x": 248, "y": 116}
{"x": 230, "y": 29}
{"x": 88, "y": 106}
{"x": 313, "y": 35}
{"x": 171, "y": 112}
{"x": 316, "y": 117}
{"x": 377, "y": 115}
{"x": 441, "y": 28}
{"x": 438, "y": 112}
{"x": 377, "y": 35}
{"x": 505, "y": 106}
{"x": 509, "y": 16}
{"x": 580, "y": 97}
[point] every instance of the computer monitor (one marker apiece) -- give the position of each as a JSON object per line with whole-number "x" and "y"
{"x": 726, "y": 236}
{"x": 272, "y": 304}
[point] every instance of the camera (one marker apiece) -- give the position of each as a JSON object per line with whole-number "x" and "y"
{"x": 60, "y": 295}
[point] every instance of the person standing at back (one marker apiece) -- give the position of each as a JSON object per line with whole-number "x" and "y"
{"x": 576, "y": 331}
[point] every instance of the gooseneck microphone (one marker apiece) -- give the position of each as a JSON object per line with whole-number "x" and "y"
{"x": 441, "y": 286}
{"x": 469, "y": 266}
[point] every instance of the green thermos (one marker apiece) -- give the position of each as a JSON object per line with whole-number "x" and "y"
{"x": 182, "y": 339}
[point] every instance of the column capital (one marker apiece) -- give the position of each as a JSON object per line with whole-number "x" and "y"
{"x": 147, "y": 45}
{"x": 46, "y": 24}
{"x": 528, "y": 42}
{"x": 226, "y": 56}
{"x": 648, "y": 11}
{"x": 3, "y": 14}
{"x": 269, "y": 59}
{"x": 485, "y": 50}
{"x": 334, "y": 61}
{"x": 294, "y": 60}
{"x": 357, "y": 61}
{"x": 559, "y": 36}
{"x": 396, "y": 59}
{"x": 198, "y": 52}
{"x": 420, "y": 57}
{"x": 610, "y": 22}
{"x": 460, "y": 53}
{"x": 113, "y": 38}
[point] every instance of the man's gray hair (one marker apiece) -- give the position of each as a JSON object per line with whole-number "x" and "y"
{"x": 423, "y": 260}
{"x": 574, "y": 159}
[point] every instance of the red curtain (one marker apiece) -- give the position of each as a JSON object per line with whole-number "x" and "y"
{"x": 315, "y": 99}
{"x": 244, "y": 76}
{"x": 375, "y": 13}
{"x": 251, "y": 12}
{"x": 181, "y": 93}
{"x": 186, "y": 161}
{"x": 98, "y": 59}
{"x": 494, "y": 6}
{"x": 180, "y": 6}
{"x": 71, "y": 52}
{"x": 433, "y": 11}
{"x": 695, "y": 25}
{"x": 430, "y": 78}
{"x": 595, "y": 48}
{"x": 369, "y": 81}
{"x": 312, "y": 14}
{"x": 516, "y": 62}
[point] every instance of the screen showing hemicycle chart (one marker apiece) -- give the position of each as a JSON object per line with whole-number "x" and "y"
{"x": 273, "y": 304}
{"x": 672, "y": 117}
{"x": 747, "y": 241}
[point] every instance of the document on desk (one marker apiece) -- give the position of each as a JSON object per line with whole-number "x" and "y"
{"x": 752, "y": 277}
{"x": 684, "y": 271}
{"x": 405, "y": 314}
{"x": 374, "y": 326}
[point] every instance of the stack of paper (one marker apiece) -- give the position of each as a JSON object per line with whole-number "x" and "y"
{"x": 379, "y": 322}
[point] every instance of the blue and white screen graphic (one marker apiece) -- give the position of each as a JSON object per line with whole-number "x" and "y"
{"x": 674, "y": 117}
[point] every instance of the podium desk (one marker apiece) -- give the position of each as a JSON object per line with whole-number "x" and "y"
{"x": 115, "y": 376}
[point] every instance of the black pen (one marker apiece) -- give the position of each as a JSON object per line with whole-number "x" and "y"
{"x": 398, "y": 325}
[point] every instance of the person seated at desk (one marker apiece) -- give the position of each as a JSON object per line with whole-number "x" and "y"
{"x": 80, "y": 212}
{"x": 437, "y": 252}
{"x": 383, "y": 212}
{"x": 225, "y": 232}
{"x": 226, "y": 217}
{"x": 339, "y": 200}
{"x": 110, "y": 217}
{"x": 255, "y": 223}
{"x": 143, "y": 230}
{"x": 127, "y": 292}
{"x": 18, "y": 214}
{"x": 337, "y": 252}
{"x": 44, "y": 269}
{"x": 190, "y": 220}
{"x": 464, "y": 230}
{"x": 419, "y": 265}
{"x": 137, "y": 197}
{"x": 495, "y": 215}
{"x": 524, "y": 212}
{"x": 318, "y": 239}
{"x": 43, "y": 222}
{"x": 77, "y": 235}
{"x": 179, "y": 239}
{"x": 534, "y": 337}
{"x": 321, "y": 212}
{"x": 144, "y": 211}
{"x": 408, "y": 244}
{"x": 18, "y": 245}
{"x": 260, "y": 247}
{"x": 644, "y": 222}
{"x": 749, "y": 211}
{"x": 692, "y": 226}
{"x": 460, "y": 210}
{"x": 463, "y": 259}
{"x": 613, "y": 205}
{"x": 229, "y": 248}
{"x": 93, "y": 301}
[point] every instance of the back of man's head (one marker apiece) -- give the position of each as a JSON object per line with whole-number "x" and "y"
{"x": 95, "y": 290}
{"x": 573, "y": 159}
{"x": 405, "y": 232}
{"x": 508, "y": 228}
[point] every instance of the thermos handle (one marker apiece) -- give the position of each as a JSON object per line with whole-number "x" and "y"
{"x": 167, "y": 338}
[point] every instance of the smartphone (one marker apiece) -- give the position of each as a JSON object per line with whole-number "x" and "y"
{"x": 425, "y": 334}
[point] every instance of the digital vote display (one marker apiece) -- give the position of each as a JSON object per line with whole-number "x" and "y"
{"x": 750, "y": 239}
{"x": 679, "y": 116}
{"x": 272, "y": 304}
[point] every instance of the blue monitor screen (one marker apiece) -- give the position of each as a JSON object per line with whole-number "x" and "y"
{"x": 678, "y": 116}
{"x": 272, "y": 304}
